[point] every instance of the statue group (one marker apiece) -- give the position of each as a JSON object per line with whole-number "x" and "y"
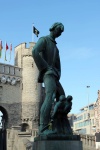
{"x": 46, "y": 56}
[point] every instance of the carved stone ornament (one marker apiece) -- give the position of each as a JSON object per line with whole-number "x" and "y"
{"x": 3, "y": 79}
{"x": 8, "y": 80}
{"x": 13, "y": 82}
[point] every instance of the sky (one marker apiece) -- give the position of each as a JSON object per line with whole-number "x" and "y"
{"x": 79, "y": 44}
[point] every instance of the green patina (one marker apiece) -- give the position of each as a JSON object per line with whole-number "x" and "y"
{"x": 47, "y": 59}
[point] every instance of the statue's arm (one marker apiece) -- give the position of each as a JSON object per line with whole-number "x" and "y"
{"x": 56, "y": 107}
{"x": 58, "y": 64}
{"x": 37, "y": 49}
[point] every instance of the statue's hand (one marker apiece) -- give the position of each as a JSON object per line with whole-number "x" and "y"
{"x": 49, "y": 70}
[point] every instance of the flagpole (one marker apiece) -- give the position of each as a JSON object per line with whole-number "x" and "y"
{"x": 10, "y": 55}
{"x": 0, "y": 48}
{"x": 6, "y": 48}
{"x": 32, "y": 33}
{"x": 10, "y": 51}
{"x": 5, "y": 51}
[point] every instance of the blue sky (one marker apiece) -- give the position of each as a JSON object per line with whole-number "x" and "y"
{"x": 79, "y": 44}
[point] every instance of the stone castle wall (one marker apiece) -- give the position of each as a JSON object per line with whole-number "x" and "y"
{"x": 10, "y": 95}
{"x": 20, "y": 96}
{"x": 21, "y": 100}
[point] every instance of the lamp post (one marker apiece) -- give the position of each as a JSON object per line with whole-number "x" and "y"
{"x": 88, "y": 109}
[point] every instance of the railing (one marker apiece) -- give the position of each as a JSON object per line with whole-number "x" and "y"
{"x": 88, "y": 142}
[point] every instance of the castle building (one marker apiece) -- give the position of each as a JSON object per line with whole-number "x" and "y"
{"x": 20, "y": 93}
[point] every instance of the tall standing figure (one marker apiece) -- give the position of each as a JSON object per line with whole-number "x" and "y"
{"x": 46, "y": 57}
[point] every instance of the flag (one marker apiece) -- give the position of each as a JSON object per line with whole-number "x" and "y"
{"x": 6, "y": 48}
{"x": 35, "y": 31}
{"x": 1, "y": 48}
{"x": 10, "y": 47}
{"x": 87, "y": 86}
{"x": 1, "y": 45}
{"x": 10, "y": 50}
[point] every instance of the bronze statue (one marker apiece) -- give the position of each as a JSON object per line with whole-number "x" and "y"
{"x": 46, "y": 57}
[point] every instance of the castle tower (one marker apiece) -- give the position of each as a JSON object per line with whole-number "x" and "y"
{"x": 31, "y": 90}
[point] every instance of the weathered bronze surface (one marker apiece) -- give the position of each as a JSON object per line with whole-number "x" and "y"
{"x": 47, "y": 59}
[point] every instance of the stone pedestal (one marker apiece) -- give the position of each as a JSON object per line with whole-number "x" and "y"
{"x": 57, "y": 143}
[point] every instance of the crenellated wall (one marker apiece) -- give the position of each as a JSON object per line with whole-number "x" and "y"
{"x": 10, "y": 70}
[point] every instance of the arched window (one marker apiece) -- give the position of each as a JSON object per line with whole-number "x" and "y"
{"x": 3, "y": 118}
{"x": 24, "y": 127}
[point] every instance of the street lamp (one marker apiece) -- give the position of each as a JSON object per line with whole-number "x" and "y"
{"x": 88, "y": 95}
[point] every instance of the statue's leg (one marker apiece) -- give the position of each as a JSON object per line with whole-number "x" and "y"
{"x": 50, "y": 89}
{"x": 60, "y": 90}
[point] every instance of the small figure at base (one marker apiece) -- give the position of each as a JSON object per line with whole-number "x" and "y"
{"x": 59, "y": 116}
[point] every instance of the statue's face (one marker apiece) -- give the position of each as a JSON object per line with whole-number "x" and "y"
{"x": 57, "y": 32}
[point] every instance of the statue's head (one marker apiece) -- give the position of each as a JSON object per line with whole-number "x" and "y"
{"x": 57, "y": 28}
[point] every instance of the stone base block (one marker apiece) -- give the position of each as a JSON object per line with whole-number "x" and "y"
{"x": 57, "y": 144}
